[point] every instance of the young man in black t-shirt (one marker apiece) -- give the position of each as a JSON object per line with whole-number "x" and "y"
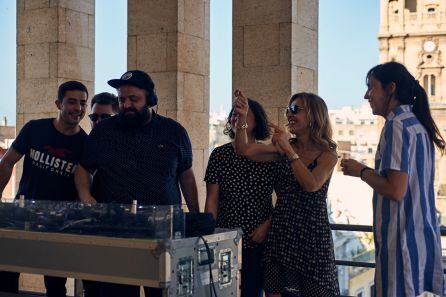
{"x": 52, "y": 148}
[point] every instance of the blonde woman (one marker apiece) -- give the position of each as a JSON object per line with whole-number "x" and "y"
{"x": 299, "y": 256}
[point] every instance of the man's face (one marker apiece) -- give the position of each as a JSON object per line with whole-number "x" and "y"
{"x": 133, "y": 108}
{"x": 100, "y": 112}
{"x": 72, "y": 107}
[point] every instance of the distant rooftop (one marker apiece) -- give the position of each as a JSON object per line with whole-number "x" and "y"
{"x": 7, "y": 132}
{"x": 354, "y": 115}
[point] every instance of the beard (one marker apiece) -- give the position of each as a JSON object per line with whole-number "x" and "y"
{"x": 131, "y": 118}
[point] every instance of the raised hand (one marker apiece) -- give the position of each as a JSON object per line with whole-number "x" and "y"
{"x": 239, "y": 94}
{"x": 241, "y": 106}
{"x": 280, "y": 139}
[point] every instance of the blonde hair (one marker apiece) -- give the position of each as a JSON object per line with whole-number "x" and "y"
{"x": 319, "y": 122}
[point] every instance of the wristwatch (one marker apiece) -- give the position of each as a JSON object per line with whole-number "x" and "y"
{"x": 361, "y": 173}
{"x": 294, "y": 157}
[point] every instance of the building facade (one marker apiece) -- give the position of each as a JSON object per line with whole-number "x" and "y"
{"x": 355, "y": 131}
{"x": 217, "y": 125}
{"x": 361, "y": 279}
{"x": 413, "y": 32}
{"x": 7, "y": 136}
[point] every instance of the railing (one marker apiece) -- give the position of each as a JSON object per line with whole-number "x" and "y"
{"x": 363, "y": 228}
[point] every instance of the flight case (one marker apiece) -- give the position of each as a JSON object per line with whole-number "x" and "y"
{"x": 120, "y": 244}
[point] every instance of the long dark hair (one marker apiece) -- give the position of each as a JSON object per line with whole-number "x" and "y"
{"x": 409, "y": 91}
{"x": 261, "y": 130}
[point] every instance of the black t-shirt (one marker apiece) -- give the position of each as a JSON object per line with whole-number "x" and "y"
{"x": 142, "y": 164}
{"x": 50, "y": 161}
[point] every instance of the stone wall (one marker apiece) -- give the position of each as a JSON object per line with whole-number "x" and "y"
{"x": 275, "y": 48}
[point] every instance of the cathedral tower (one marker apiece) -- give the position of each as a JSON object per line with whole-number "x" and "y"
{"x": 413, "y": 32}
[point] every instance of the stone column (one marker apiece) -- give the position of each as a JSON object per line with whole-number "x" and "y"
{"x": 169, "y": 39}
{"x": 55, "y": 43}
{"x": 275, "y": 50}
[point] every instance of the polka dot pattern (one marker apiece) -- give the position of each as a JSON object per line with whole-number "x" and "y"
{"x": 142, "y": 164}
{"x": 245, "y": 189}
{"x": 300, "y": 236}
{"x": 278, "y": 279}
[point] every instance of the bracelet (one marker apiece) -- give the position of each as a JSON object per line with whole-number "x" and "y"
{"x": 362, "y": 171}
{"x": 242, "y": 127}
{"x": 294, "y": 157}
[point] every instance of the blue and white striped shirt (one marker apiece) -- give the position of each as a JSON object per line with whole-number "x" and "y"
{"x": 407, "y": 237}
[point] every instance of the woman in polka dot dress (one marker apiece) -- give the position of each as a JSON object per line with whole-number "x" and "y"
{"x": 239, "y": 194}
{"x": 299, "y": 257}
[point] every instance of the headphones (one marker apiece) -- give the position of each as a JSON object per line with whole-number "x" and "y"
{"x": 152, "y": 98}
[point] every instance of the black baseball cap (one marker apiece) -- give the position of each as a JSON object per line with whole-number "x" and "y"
{"x": 135, "y": 78}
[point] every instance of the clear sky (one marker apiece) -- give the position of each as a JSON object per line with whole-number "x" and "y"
{"x": 7, "y": 59}
{"x": 348, "y": 47}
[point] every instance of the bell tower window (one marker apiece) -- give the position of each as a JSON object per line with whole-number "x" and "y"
{"x": 411, "y": 5}
{"x": 429, "y": 84}
{"x": 432, "y": 86}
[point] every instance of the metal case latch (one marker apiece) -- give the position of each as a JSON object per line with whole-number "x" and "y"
{"x": 185, "y": 277}
{"x": 225, "y": 268}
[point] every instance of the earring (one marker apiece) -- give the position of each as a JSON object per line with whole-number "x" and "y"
{"x": 228, "y": 128}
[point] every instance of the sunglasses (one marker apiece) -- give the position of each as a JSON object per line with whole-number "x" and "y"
{"x": 94, "y": 117}
{"x": 294, "y": 109}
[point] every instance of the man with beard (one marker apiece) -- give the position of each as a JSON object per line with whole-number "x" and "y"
{"x": 51, "y": 149}
{"x": 137, "y": 155}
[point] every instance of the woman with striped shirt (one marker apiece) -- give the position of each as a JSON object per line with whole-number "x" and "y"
{"x": 406, "y": 233}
